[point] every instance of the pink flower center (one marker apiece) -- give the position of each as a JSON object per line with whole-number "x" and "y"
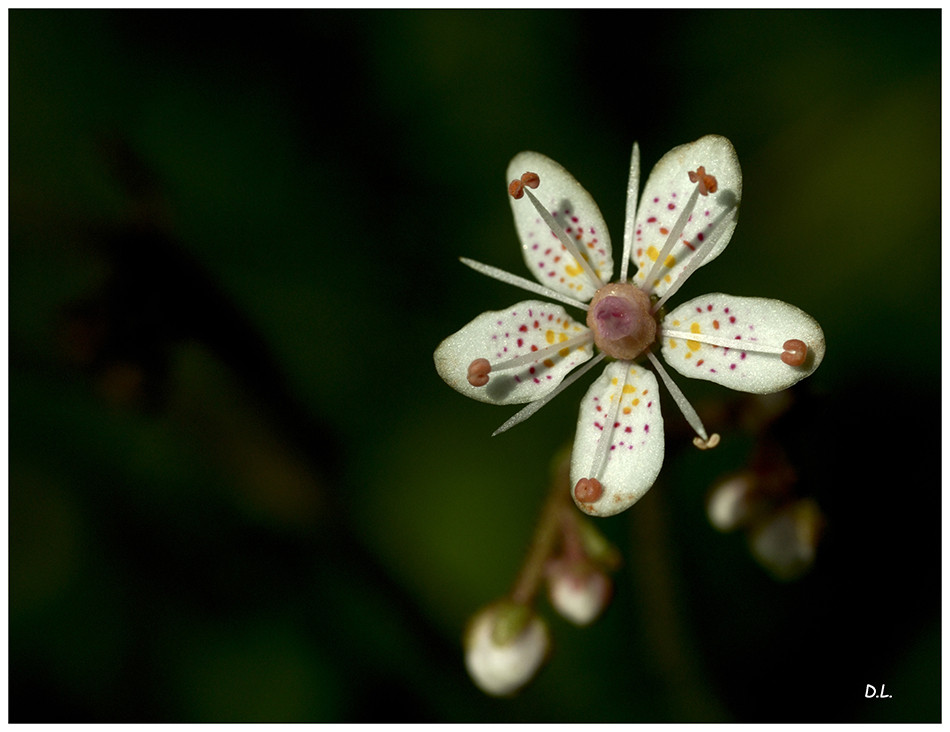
{"x": 621, "y": 319}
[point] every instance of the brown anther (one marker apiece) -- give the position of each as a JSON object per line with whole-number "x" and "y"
{"x": 795, "y": 352}
{"x": 706, "y": 444}
{"x": 478, "y": 371}
{"x": 532, "y": 180}
{"x": 707, "y": 183}
{"x": 588, "y": 490}
{"x": 516, "y": 189}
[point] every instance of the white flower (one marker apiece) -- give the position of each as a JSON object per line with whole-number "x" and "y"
{"x": 505, "y": 645}
{"x": 524, "y": 353}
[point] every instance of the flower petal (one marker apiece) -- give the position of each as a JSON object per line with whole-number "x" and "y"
{"x": 619, "y": 438}
{"x": 759, "y": 328}
{"x": 667, "y": 193}
{"x": 531, "y": 326}
{"x": 570, "y": 204}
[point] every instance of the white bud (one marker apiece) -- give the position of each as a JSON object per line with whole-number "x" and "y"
{"x": 498, "y": 664}
{"x": 729, "y": 505}
{"x": 785, "y": 542}
{"x": 578, "y": 593}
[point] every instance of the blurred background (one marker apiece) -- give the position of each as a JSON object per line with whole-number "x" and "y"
{"x": 240, "y": 492}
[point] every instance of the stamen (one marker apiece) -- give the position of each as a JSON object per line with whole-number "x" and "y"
{"x": 671, "y": 241}
{"x": 795, "y": 352}
{"x": 516, "y": 189}
{"x": 478, "y": 371}
{"x": 568, "y": 243}
{"x": 524, "y": 284}
{"x": 532, "y": 180}
{"x": 707, "y": 444}
{"x": 547, "y": 352}
{"x": 737, "y": 345}
{"x": 533, "y": 407}
{"x": 707, "y": 183}
{"x": 685, "y": 407}
{"x": 692, "y": 264}
{"x": 588, "y": 490}
{"x": 633, "y": 186}
{"x": 606, "y": 436}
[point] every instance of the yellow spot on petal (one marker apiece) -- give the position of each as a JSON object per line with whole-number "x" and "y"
{"x": 667, "y": 279}
{"x": 573, "y": 271}
{"x": 672, "y": 343}
{"x": 561, "y": 337}
{"x": 614, "y": 381}
{"x": 676, "y": 322}
{"x": 564, "y": 351}
{"x": 549, "y": 336}
{"x": 652, "y": 253}
{"x": 693, "y": 345}
{"x": 635, "y": 402}
{"x": 626, "y": 410}
{"x": 548, "y": 362}
{"x": 628, "y": 389}
{"x": 670, "y": 261}
{"x": 688, "y": 354}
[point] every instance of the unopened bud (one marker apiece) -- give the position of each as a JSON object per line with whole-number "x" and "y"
{"x": 578, "y": 591}
{"x": 785, "y": 542}
{"x": 730, "y": 503}
{"x": 505, "y": 645}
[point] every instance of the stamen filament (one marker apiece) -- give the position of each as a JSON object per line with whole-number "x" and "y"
{"x": 685, "y": 407}
{"x": 568, "y": 243}
{"x": 533, "y": 407}
{"x": 735, "y": 343}
{"x": 606, "y": 435}
{"x": 524, "y": 284}
{"x": 671, "y": 241}
{"x": 694, "y": 263}
{"x": 630, "y": 222}
{"x": 543, "y": 353}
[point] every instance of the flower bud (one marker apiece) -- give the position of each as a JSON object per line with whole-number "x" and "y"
{"x": 578, "y": 591}
{"x": 785, "y": 542}
{"x": 505, "y": 645}
{"x": 731, "y": 502}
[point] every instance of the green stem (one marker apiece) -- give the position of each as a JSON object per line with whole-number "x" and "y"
{"x": 547, "y": 534}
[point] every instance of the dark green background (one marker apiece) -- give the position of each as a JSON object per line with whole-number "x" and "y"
{"x": 240, "y": 492}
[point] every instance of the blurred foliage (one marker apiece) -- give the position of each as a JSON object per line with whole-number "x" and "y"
{"x": 240, "y": 492}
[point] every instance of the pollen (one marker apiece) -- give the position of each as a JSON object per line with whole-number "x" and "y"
{"x": 588, "y": 490}
{"x": 795, "y": 352}
{"x": 706, "y": 183}
{"x": 478, "y": 371}
{"x": 516, "y": 189}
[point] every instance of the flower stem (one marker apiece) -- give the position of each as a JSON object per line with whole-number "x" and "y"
{"x": 554, "y": 518}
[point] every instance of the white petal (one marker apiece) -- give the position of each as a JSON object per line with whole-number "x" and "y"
{"x": 619, "y": 438}
{"x": 531, "y": 326}
{"x": 755, "y": 325}
{"x": 667, "y": 191}
{"x": 574, "y": 207}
